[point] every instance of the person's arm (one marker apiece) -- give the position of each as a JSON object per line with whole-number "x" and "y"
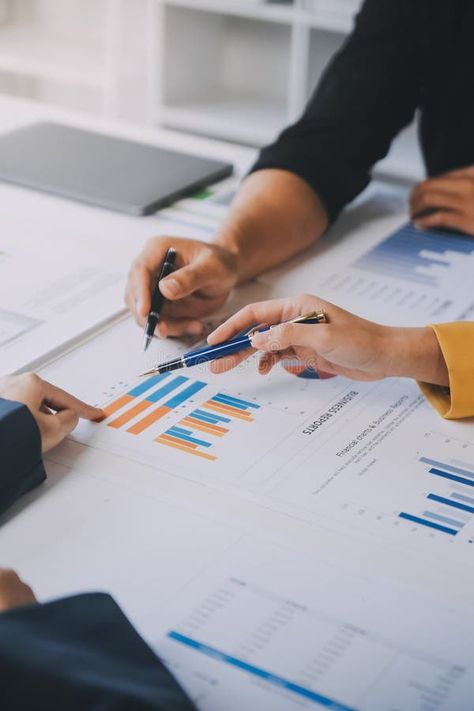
{"x": 77, "y": 653}
{"x": 456, "y": 342}
{"x": 21, "y": 465}
{"x": 440, "y": 358}
{"x": 299, "y": 184}
{"x": 367, "y": 95}
{"x": 28, "y": 427}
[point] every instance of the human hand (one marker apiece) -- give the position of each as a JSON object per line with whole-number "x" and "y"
{"x": 205, "y": 275}
{"x": 446, "y": 202}
{"x": 13, "y": 591}
{"x": 347, "y": 345}
{"x": 55, "y": 411}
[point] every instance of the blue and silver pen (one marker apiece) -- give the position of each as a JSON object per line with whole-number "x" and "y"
{"x": 234, "y": 345}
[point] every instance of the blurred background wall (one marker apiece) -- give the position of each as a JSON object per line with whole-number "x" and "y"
{"x": 239, "y": 70}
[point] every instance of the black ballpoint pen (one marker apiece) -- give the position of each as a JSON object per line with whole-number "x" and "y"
{"x": 157, "y": 298}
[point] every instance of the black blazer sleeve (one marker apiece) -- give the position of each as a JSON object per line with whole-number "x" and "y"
{"x": 21, "y": 466}
{"x": 369, "y": 92}
{"x": 81, "y": 653}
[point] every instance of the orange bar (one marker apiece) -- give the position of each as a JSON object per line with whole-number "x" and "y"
{"x": 117, "y": 404}
{"x": 198, "y": 425}
{"x": 129, "y": 414}
{"x": 228, "y": 408}
{"x": 149, "y": 420}
{"x": 224, "y": 410}
{"x": 182, "y": 442}
{"x": 184, "y": 449}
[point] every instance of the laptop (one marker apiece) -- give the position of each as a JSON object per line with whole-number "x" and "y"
{"x": 114, "y": 173}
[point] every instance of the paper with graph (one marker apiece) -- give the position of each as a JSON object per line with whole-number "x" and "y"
{"x": 372, "y": 459}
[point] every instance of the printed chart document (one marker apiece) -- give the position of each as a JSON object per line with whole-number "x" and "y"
{"x": 266, "y": 629}
{"x": 49, "y": 298}
{"x": 370, "y": 459}
{"x": 386, "y": 270}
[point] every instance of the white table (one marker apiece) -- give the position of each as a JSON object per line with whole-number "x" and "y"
{"x": 95, "y": 526}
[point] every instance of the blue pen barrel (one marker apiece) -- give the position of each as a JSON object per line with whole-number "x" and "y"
{"x": 204, "y": 355}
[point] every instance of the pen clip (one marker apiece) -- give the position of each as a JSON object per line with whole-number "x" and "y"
{"x": 318, "y": 316}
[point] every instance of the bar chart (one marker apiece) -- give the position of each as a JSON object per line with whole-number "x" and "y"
{"x": 145, "y": 404}
{"x": 213, "y": 419}
{"x": 450, "y": 512}
{"x": 418, "y": 256}
{"x": 273, "y": 638}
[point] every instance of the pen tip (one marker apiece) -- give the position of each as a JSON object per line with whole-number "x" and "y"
{"x": 146, "y": 342}
{"x": 147, "y": 372}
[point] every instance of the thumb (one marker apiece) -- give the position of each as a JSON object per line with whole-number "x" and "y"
{"x": 289, "y": 335}
{"x": 183, "y": 282}
{"x": 55, "y": 428}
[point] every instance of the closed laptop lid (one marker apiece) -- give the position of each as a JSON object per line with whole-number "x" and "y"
{"x": 108, "y": 171}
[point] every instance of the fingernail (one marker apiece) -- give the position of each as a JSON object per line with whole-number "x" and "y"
{"x": 257, "y": 340}
{"x": 171, "y": 286}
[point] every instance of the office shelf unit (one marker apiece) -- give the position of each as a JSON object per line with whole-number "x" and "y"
{"x": 239, "y": 70}
{"x": 242, "y": 69}
{"x": 71, "y": 52}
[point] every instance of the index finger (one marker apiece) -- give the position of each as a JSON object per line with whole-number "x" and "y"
{"x": 60, "y": 400}
{"x": 264, "y": 312}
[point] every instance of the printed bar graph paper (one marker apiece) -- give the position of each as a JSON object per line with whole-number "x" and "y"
{"x": 169, "y": 405}
{"x": 444, "y": 518}
{"x": 194, "y": 433}
{"x": 149, "y": 401}
{"x": 416, "y": 255}
{"x": 256, "y": 671}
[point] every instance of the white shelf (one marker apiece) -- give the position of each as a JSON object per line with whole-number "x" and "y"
{"x": 283, "y": 13}
{"x": 239, "y": 70}
{"x": 29, "y": 51}
{"x": 330, "y": 22}
{"x": 239, "y": 119}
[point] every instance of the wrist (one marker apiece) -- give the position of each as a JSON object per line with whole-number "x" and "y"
{"x": 229, "y": 239}
{"x": 415, "y": 353}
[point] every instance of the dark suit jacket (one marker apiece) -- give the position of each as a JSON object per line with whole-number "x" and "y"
{"x": 75, "y": 654}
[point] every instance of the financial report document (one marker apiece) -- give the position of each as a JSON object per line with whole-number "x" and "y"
{"x": 370, "y": 459}
{"x": 267, "y": 629}
{"x": 263, "y": 626}
{"x": 385, "y": 269}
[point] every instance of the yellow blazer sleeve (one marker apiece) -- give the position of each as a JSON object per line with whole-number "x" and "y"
{"x": 457, "y": 345}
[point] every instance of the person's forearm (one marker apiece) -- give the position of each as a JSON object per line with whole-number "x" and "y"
{"x": 415, "y": 353}
{"x": 275, "y": 215}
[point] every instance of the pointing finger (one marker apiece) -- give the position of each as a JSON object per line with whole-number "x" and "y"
{"x": 59, "y": 400}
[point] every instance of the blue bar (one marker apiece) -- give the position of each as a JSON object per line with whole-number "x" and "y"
{"x": 448, "y": 467}
{"x": 423, "y": 522}
{"x": 278, "y": 681}
{"x": 237, "y": 401}
{"x": 443, "y": 519}
{"x": 217, "y": 418}
{"x": 182, "y": 430}
{"x": 161, "y": 392}
{"x": 147, "y": 384}
{"x": 450, "y": 502}
{"x": 221, "y": 401}
{"x": 185, "y": 394}
{"x": 184, "y": 437}
{"x": 452, "y": 477}
{"x": 461, "y": 497}
{"x": 201, "y": 418}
